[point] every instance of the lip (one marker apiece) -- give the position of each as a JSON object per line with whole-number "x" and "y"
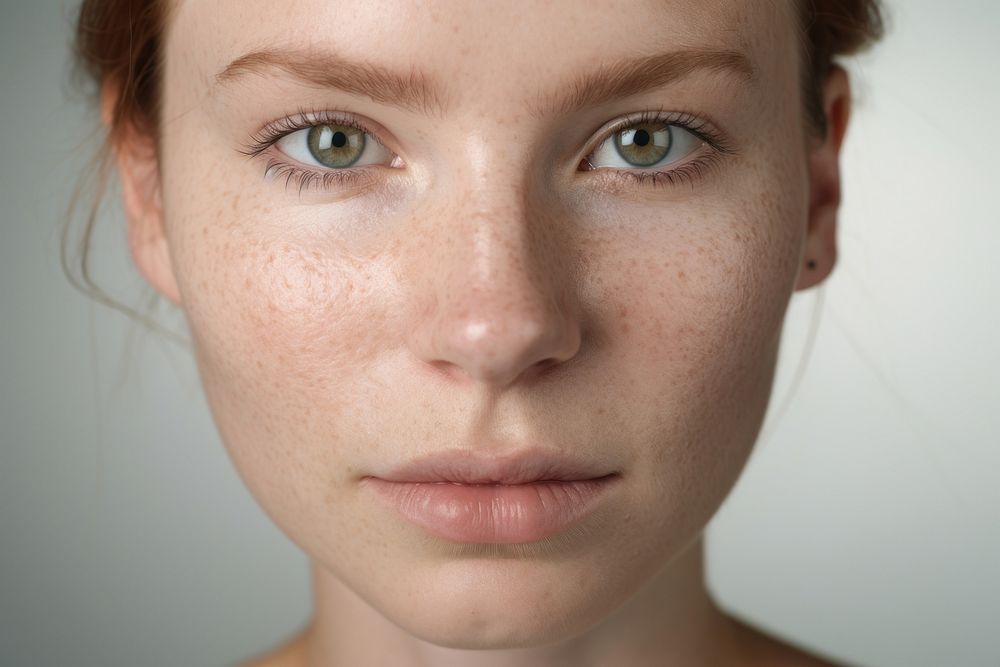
{"x": 465, "y": 496}
{"x": 467, "y": 466}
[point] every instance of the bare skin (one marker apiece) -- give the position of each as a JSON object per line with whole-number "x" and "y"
{"x": 733, "y": 642}
{"x": 492, "y": 277}
{"x": 759, "y": 650}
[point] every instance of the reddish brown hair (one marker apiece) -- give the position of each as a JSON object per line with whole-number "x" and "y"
{"x": 833, "y": 28}
{"x": 120, "y": 41}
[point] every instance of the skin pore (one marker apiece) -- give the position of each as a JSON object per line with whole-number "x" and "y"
{"x": 491, "y": 279}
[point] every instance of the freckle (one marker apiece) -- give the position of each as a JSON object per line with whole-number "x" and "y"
{"x": 681, "y": 275}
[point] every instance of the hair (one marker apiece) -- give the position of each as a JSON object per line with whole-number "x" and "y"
{"x": 120, "y": 42}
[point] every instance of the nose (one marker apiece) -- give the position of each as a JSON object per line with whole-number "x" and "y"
{"x": 496, "y": 305}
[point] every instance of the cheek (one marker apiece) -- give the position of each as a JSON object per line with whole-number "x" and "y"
{"x": 705, "y": 297}
{"x": 285, "y": 333}
{"x": 695, "y": 339}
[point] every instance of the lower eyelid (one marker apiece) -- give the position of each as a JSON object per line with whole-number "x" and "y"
{"x": 614, "y": 179}
{"x": 700, "y": 152}
{"x": 307, "y": 178}
{"x": 617, "y": 180}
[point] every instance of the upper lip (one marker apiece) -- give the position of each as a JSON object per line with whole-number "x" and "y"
{"x": 467, "y": 466}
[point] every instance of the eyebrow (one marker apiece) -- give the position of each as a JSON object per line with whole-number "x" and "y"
{"x": 628, "y": 77}
{"x": 417, "y": 91}
{"x": 413, "y": 90}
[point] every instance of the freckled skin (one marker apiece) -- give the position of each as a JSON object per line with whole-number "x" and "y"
{"x": 487, "y": 296}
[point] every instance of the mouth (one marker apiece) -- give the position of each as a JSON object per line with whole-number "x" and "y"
{"x": 467, "y": 497}
{"x": 472, "y": 467}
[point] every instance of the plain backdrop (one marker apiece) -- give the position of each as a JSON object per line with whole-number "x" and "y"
{"x": 866, "y": 526}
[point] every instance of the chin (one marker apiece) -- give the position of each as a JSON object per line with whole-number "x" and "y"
{"x": 505, "y": 605}
{"x": 519, "y": 626}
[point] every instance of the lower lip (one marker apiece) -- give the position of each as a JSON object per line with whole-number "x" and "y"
{"x": 493, "y": 514}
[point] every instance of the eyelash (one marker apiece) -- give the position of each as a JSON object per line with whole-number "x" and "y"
{"x": 688, "y": 172}
{"x": 306, "y": 178}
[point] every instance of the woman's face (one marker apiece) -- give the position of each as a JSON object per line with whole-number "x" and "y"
{"x": 500, "y": 273}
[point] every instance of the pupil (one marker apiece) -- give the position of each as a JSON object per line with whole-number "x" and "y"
{"x": 339, "y": 139}
{"x": 641, "y": 137}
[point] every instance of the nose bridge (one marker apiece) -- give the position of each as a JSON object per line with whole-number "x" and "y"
{"x": 495, "y": 301}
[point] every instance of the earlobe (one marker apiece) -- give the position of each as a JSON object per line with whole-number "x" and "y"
{"x": 820, "y": 254}
{"x": 138, "y": 168}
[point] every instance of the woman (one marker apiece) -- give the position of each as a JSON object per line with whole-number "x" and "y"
{"x": 486, "y": 297}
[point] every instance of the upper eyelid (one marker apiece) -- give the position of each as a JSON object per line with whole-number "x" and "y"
{"x": 274, "y": 131}
{"x": 701, "y": 127}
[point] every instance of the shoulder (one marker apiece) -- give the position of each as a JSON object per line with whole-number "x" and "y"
{"x": 764, "y": 649}
{"x": 290, "y": 653}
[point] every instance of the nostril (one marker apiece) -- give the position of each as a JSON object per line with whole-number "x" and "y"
{"x": 544, "y": 365}
{"x": 496, "y": 334}
{"x": 544, "y": 368}
{"x": 446, "y": 369}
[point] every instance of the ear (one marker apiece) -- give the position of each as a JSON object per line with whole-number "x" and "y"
{"x": 824, "y": 183}
{"x": 136, "y": 157}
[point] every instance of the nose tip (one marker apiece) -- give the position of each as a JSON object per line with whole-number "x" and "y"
{"x": 499, "y": 346}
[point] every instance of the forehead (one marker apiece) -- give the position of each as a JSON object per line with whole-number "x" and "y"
{"x": 482, "y": 48}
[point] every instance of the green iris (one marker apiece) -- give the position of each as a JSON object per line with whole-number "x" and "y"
{"x": 644, "y": 145}
{"x": 336, "y": 145}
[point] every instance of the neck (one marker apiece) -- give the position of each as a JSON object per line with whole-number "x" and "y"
{"x": 671, "y": 621}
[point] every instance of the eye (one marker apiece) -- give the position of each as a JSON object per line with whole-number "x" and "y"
{"x": 334, "y": 146}
{"x": 645, "y": 144}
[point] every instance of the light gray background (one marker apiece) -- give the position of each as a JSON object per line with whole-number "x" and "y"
{"x": 867, "y": 524}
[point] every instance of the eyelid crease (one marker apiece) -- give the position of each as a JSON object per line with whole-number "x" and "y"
{"x": 308, "y": 177}
{"x": 616, "y": 179}
{"x": 697, "y": 125}
{"x": 274, "y": 131}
